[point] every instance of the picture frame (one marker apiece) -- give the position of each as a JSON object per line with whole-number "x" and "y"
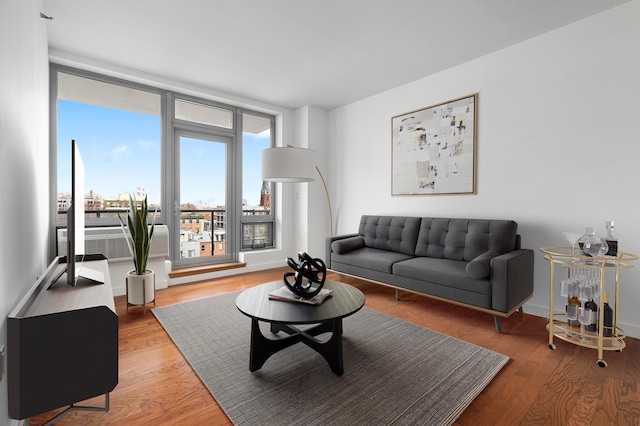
{"x": 433, "y": 149}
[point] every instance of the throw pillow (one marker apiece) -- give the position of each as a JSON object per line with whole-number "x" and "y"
{"x": 480, "y": 267}
{"x": 347, "y": 244}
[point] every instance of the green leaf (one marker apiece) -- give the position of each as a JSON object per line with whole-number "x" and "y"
{"x": 138, "y": 233}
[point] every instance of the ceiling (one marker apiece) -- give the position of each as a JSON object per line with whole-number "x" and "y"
{"x": 291, "y": 53}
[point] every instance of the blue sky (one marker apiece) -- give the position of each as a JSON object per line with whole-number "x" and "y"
{"x": 121, "y": 152}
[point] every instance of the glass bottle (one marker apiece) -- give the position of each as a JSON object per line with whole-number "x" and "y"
{"x": 592, "y": 307}
{"x": 592, "y": 245}
{"x": 581, "y": 240}
{"x": 608, "y": 317}
{"x": 612, "y": 241}
{"x": 573, "y": 306}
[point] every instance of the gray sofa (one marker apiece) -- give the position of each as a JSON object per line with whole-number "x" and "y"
{"x": 476, "y": 263}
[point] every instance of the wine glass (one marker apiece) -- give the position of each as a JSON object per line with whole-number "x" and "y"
{"x": 572, "y": 238}
{"x": 564, "y": 287}
{"x": 572, "y": 315}
{"x": 584, "y": 318}
{"x": 572, "y": 308}
{"x": 585, "y": 291}
{"x": 597, "y": 278}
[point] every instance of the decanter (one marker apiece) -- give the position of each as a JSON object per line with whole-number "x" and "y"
{"x": 612, "y": 241}
{"x": 591, "y": 244}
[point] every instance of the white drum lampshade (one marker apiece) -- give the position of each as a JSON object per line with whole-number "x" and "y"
{"x": 288, "y": 164}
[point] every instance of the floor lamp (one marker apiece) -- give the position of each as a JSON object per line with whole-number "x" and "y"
{"x": 292, "y": 164}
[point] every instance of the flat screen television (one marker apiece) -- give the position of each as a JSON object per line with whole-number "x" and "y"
{"x": 75, "y": 229}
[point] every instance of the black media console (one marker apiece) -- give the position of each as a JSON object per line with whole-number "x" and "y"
{"x": 62, "y": 344}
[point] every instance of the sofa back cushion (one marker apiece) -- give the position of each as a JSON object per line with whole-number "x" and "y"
{"x": 465, "y": 239}
{"x": 393, "y": 233}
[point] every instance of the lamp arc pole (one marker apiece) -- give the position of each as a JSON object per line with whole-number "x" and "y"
{"x": 326, "y": 191}
{"x": 293, "y": 164}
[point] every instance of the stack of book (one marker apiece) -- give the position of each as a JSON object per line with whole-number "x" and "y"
{"x": 286, "y": 295}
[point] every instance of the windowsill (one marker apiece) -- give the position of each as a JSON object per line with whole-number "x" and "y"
{"x": 185, "y": 272}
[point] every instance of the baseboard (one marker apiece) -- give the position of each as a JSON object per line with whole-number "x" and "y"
{"x": 537, "y": 310}
{"x": 631, "y": 330}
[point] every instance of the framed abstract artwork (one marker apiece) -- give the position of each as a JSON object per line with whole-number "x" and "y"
{"x": 433, "y": 150}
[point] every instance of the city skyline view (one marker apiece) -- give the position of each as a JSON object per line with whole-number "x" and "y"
{"x": 121, "y": 151}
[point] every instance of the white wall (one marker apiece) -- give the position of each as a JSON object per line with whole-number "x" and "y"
{"x": 312, "y": 132}
{"x": 557, "y": 145}
{"x": 24, "y": 158}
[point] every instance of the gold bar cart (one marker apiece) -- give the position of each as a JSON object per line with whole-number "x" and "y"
{"x": 598, "y": 268}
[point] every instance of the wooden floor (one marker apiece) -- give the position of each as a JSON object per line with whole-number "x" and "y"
{"x": 537, "y": 387}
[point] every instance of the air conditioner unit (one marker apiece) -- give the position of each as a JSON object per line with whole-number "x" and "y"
{"x": 111, "y": 242}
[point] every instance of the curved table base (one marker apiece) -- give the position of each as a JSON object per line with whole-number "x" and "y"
{"x": 262, "y": 348}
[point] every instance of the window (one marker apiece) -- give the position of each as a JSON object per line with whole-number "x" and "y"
{"x": 204, "y": 191}
{"x": 200, "y": 157}
{"x": 118, "y": 132}
{"x": 257, "y": 217}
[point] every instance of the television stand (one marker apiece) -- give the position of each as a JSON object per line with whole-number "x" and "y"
{"x": 84, "y": 274}
{"x": 75, "y": 407}
{"x": 62, "y": 345}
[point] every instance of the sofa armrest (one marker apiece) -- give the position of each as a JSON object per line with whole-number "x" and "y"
{"x": 511, "y": 279}
{"x": 327, "y": 246}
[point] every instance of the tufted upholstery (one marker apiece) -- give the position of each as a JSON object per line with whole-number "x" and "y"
{"x": 477, "y": 263}
{"x": 464, "y": 239}
{"x": 392, "y": 233}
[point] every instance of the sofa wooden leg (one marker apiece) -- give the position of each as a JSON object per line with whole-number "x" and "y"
{"x": 397, "y": 295}
{"x": 521, "y": 310}
{"x": 496, "y": 320}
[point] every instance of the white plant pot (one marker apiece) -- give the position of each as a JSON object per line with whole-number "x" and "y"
{"x": 141, "y": 288}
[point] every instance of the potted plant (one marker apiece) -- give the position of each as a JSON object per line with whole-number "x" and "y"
{"x": 140, "y": 281}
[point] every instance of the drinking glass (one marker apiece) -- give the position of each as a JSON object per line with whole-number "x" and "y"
{"x": 572, "y": 311}
{"x": 584, "y": 318}
{"x": 564, "y": 287}
{"x": 572, "y": 238}
{"x": 585, "y": 291}
{"x": 594, "y": 284}
{"x": 571, "y": 308}
{"x": 594, "y": 280}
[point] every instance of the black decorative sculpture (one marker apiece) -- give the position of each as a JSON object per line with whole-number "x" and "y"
{"x": 308, "y": 271}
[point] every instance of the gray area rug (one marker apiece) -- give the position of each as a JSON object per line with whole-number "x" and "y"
{"x": 395, "y": 372}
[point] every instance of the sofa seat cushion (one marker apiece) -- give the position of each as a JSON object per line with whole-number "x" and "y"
{"x": 371, "y": 258}
{"x": 446, "y": 272}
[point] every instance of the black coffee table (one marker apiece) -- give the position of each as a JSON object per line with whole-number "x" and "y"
{"x": 345, "y": 300}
